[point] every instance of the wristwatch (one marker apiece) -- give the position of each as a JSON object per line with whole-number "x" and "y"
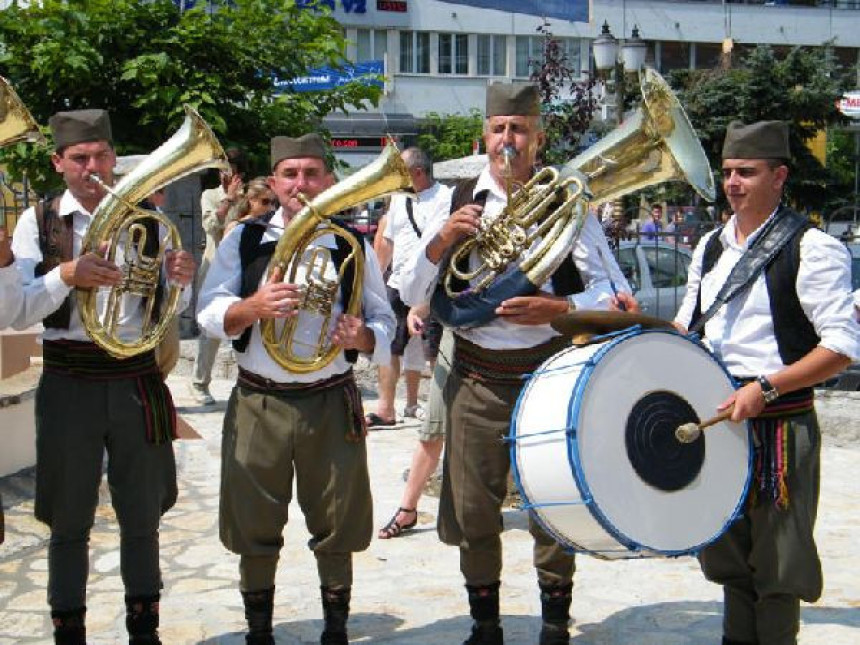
{"x": 768, "y": 391}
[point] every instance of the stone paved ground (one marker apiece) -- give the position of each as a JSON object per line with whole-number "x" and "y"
{"x": 408, "y": 591}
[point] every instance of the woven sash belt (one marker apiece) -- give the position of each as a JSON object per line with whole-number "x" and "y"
{"x": 345, "y": 381}
{"x": 774, "y": 446}
{"x": 502, "y": 366}
{"x": 89, "y": 362}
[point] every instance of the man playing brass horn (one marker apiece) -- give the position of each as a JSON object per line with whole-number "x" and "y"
{"x": 88, "y": 401}
{"x": 489, "y": 361}
{"x": 282, "y": 425}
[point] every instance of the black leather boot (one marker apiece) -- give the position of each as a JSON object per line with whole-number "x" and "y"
{"x": 259, "y": 606}
{"x": 555, "y": 612}
{"x": 141, "y": 619}
{"x": 70, "y": 626}
{"x": 335, "y": 604}
{"x": 484, "y": 609}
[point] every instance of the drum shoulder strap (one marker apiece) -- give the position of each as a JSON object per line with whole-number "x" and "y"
{"x": 780, "y": 260}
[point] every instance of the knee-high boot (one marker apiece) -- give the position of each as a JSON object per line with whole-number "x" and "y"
{"x": 335, "y": 604}
{"x": 259, "y": 606}
{"x": 70, "y": 626}
{"x": 555, "y": 613}
{"x": 484, "y": 609}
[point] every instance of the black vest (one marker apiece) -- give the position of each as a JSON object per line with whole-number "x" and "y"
{"x": 56, "y": 242}
{"x": 254, "y": 258}
{"x": 795, "y": 335}
{"x": 565, "y": 281}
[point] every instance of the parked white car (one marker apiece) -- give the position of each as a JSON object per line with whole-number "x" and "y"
{"x": 657, "y": 273}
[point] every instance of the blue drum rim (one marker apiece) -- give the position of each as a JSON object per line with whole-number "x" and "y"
{"x": 635, "y": 549}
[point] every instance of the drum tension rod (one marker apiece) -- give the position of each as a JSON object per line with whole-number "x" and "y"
{"x": 689, "y": 432}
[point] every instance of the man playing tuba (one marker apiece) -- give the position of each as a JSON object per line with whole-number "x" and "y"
{"x": 134, "y": 428}
{"x": 280, "y": 424}
{"x": 489, "y": 361}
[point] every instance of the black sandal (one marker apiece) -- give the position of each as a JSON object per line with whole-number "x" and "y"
{"x": 394, "y": 529}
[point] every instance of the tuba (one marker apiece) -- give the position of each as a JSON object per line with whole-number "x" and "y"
{"x": 16, "y": 122}
{"x": 125, "y": 227}
{"x": 299, "y": 262}
{"x": 543, "y": 218}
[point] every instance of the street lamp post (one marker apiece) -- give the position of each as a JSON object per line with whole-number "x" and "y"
{"x": 613, "y": 69}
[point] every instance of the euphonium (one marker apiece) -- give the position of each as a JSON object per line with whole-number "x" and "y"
{"x": 542, "y": 220}
{"x": 121, "y": 224}
{"x": 300, "y": 262}
{"x": 16, "y": 122}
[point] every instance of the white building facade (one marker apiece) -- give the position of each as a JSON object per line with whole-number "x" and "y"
{"x": 439, "y": 56}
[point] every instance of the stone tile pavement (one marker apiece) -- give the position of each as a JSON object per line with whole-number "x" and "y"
{"x": 407, "y": 591}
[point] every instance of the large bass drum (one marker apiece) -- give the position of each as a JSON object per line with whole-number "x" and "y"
{"x": 595, "y": 455}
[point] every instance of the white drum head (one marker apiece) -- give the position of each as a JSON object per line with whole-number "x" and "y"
{"x": 645, "y": 488}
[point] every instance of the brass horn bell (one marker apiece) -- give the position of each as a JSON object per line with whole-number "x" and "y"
{"x": 300, "y": 262}
{"x": 125, "y": 227}
{"x": 16, "y": 122}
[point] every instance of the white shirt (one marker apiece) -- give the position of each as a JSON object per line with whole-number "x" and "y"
{"x": 11, "y": 294}
{"x": 433, "y": 203}
{"x": 44, "y": 294}
{"x": 741, "y": 332}
{"x": 221, "y": 290}
{"x": 590, "y": 253}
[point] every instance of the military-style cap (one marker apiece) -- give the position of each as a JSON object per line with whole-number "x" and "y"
{"x": 80, "y": 126}
{"x": 308, "y": 145}
{"x": 513, "y": 99}
{"x": 761, "y": 140}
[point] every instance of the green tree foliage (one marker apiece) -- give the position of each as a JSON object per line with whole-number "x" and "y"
{"x": 143, "y": 60}
{"x": 450, "y": 136}
{"x": 800, "y": 88}
{"x": 567, "y": 103}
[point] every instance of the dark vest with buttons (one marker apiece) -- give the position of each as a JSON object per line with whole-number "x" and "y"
{"x": 254, "y": 256}
{"x": 56, "y": 242}
{"x": 565, "y": 281}
{"x": 795, "y": 335}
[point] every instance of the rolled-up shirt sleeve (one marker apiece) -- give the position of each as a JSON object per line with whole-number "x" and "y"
{"x": 378, "y": 316}
{"x": 221, "y": 287}
{"x": 824, "y": 289}
{"x": 42, "y": 295}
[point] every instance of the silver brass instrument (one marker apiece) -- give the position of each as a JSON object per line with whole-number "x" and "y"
{"x": 295, "y": 255}
{"x": 542, "y": 219}
{"x": 121, "y": 224}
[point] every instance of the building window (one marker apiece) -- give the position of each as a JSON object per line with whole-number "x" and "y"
{"x": 415, "y": 52}
{"x": 370, "y": 44}
{"x": 530, "y": 51}
{"x": 708, "y": 55}
{"x": 453, "y": 54}
{"x": 674, "y": 55}
{"x": 492, "y": 55}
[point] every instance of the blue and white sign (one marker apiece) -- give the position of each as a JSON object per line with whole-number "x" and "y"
{"x": 349, "y": 6}
{"x": 573, "y": 10}
{"x": 328, "y": 78}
